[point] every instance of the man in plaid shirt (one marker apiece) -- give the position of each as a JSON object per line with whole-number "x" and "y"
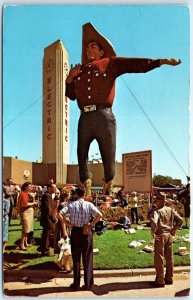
{"x": 80, "y": 213}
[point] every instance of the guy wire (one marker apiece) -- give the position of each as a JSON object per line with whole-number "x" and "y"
{"x": 154, "y": 127}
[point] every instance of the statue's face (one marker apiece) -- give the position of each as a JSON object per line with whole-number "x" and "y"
{"x": 93, "y": 51}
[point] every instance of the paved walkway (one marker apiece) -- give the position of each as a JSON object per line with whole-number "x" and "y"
{"x": 111, "y": 283}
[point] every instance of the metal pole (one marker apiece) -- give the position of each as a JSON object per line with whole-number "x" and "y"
{"x": 149, "y": 200}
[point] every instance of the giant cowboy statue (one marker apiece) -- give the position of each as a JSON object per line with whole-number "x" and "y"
{"x": 92, "y": 83}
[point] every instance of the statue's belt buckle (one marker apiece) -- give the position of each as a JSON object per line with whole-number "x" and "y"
{"x": 89, "y": 108}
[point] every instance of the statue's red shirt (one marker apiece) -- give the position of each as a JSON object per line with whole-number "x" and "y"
{"x": 96, "y": 83}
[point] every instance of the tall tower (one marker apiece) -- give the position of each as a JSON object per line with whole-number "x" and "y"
{"x": 55, "y": 110}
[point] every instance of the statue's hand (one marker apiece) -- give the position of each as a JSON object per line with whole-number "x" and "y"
{"x": 174, "y": 62}
{"x": 75, "y": 71}
{"x": 170, "y": 61}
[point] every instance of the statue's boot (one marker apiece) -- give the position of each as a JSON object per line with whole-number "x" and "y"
{"x": 87, "y": 185}
{"x": 108, "y": 188}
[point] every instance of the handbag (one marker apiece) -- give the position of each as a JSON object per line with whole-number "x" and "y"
{"x": 86, "y": 230}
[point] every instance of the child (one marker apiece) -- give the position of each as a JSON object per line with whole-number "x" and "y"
{"x": 60, "y": 244}
{"x": 164, "y": 224}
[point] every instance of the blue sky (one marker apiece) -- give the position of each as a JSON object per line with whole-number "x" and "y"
{"x": 135, "y": 31}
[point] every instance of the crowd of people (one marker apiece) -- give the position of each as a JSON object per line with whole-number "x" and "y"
{"x": 64, "y": 213}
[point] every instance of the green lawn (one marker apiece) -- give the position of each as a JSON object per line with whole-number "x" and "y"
{"x": 114, "y": 252}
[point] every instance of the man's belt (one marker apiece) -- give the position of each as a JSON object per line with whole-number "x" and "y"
{"x": 89, "y": 108}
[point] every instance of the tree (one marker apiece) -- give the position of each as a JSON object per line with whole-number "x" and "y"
{"x": 160, "y": 180}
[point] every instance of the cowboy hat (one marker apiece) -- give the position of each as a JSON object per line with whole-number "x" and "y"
{"x": 160, "y": 196}
{"x": 90, "y": 34}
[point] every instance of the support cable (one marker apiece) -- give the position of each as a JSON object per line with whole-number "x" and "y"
{"x": 154, "y": 127}
{"x": 32, "y": 104}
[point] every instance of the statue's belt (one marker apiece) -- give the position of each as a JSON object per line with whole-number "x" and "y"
{"x": 94, "y": 107}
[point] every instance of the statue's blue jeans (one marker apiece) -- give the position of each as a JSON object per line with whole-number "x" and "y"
{"x": 99, "y": 125}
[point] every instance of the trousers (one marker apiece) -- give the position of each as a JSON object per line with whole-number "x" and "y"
{"x": 47, "y": 239}
{"x": 82, "y": 247}
{"x": 99, "y": 125}
{"x": 164, "y": 251}
{"x": 134, "y": 214}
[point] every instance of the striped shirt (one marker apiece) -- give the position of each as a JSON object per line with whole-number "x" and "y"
{"x": 80, "y": 212}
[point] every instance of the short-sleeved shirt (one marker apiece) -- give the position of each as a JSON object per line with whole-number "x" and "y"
{"x": 164, "y": 219}
{"x": 80, "y": 212}
{"x": 23, "y": 198}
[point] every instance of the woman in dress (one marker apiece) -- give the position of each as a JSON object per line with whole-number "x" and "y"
{"x": 26, "y": 210}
